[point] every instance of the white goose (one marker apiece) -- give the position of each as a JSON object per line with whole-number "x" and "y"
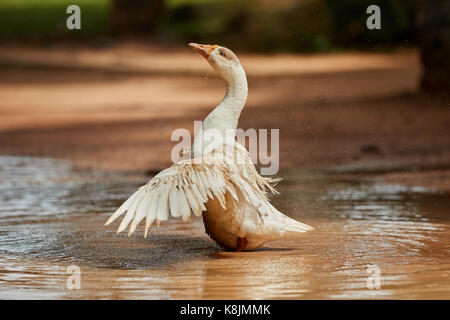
{"x": 223, "y": 186}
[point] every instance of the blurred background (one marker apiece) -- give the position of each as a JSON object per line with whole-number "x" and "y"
{"x": 341, "y": 93}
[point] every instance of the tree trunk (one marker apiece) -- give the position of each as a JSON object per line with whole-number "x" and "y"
{"x": 434, "y": 44}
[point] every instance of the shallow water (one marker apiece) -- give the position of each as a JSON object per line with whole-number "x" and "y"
{"x": 52, "y": 216}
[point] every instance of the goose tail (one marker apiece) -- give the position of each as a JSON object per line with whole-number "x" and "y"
{"x": 280, "y": 224}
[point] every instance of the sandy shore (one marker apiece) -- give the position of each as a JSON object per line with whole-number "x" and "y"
{"x": 115, "y": 108}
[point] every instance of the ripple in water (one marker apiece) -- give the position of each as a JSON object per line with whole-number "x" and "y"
{"x": 52, "y": 216}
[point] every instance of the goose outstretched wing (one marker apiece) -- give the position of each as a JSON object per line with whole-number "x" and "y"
{"x": 185, "y": 187}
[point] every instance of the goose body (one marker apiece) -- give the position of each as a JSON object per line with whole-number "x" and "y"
{"x": 219, "y": 181}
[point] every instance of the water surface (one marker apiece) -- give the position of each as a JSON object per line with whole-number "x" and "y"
{"x": 52, "y": 216}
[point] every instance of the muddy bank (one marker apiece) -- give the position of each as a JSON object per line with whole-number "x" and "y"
{"x": 115, "y": 108}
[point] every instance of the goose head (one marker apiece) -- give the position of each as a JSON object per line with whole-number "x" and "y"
{"x": 222, "y": 60}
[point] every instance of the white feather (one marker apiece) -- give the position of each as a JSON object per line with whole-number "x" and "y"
{"x": 141, "y": 210}
{"x": 163, "y": 205}
{"x": 124, "y": 207}
{"x": 151, "y": 212}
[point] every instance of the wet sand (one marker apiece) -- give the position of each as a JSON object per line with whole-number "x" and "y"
{"x": 364, "y": 160}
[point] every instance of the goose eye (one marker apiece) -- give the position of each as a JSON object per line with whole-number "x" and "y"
{"x": 221, "y": 53}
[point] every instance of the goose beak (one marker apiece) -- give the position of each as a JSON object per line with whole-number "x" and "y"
{"x": 203, "y": 49}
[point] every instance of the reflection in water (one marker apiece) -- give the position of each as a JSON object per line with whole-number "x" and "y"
{"x": 52, "y": 215}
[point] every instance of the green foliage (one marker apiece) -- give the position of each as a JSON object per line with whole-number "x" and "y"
{"x": 308, "y": 26}
{"x": 348, "y": 20}
{"x": 303, "y": 25}
{"x": 47, "y": 18}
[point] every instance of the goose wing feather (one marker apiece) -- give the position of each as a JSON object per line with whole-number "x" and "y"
{"x": 186, "y": 186}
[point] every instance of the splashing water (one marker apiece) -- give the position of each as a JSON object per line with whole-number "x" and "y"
{"x": 52, "y": 216}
